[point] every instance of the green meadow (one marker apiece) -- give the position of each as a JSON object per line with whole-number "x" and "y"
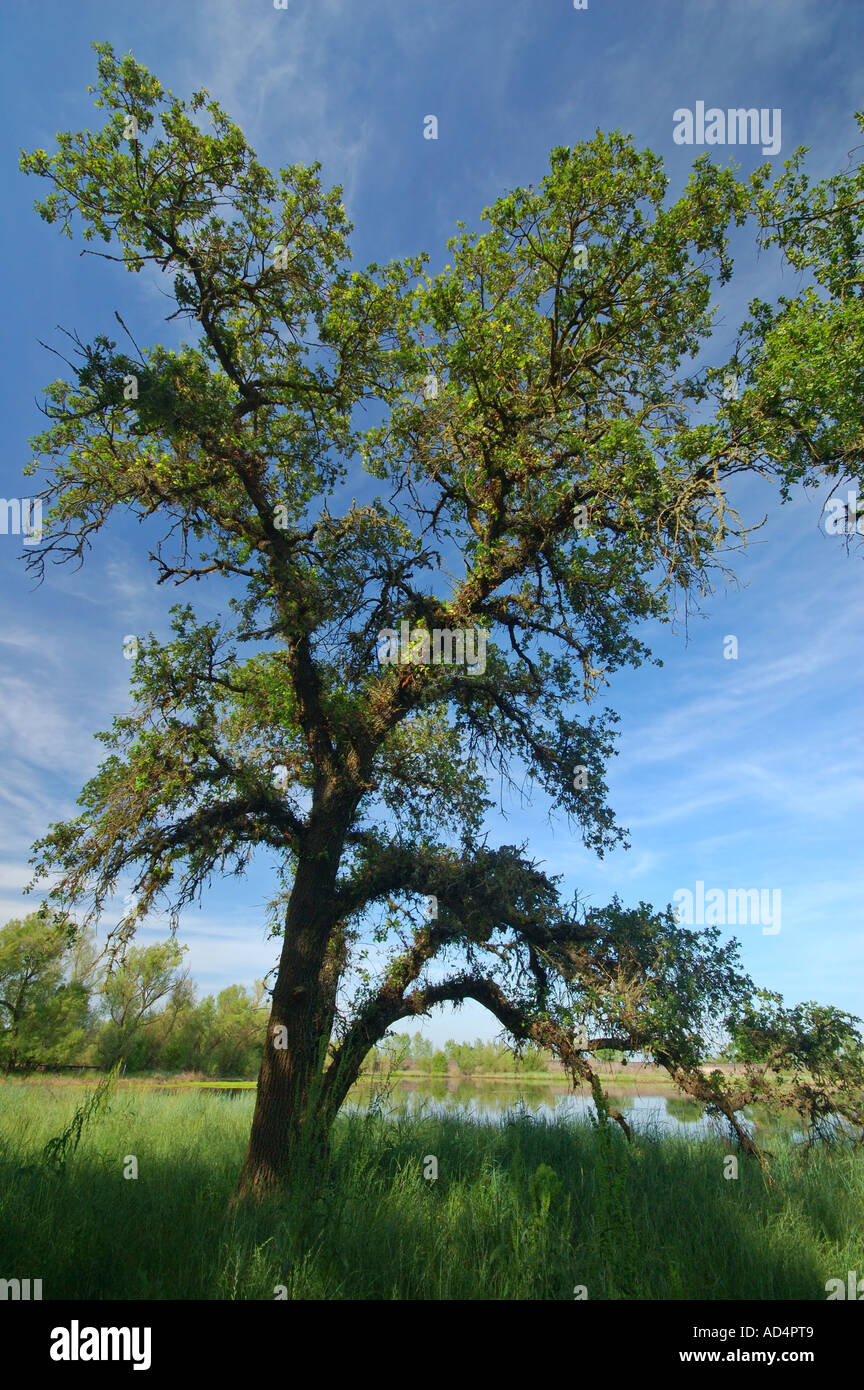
{"x": 525, "y": 1209}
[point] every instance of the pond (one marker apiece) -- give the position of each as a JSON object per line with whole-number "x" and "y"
{"x": 646, "y": 1108}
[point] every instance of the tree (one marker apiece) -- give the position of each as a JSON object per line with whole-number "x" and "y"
{"x": 235, "y": 1037}
{"x": 422, "y": 1049}
{"x": 532, "y": 1059}
{"x": 173, "y": 1038}
{"x": 44, "y": 999}
{"x": 548, "y": 487}
{"x": 395, "y": 1050}
{"x": 131, "y": 991}
{"x": 463, "y": 1054}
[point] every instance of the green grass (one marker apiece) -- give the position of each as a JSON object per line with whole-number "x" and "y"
{"x": 525, "y": 1210}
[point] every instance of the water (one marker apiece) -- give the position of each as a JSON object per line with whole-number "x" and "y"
{"x": 646, "y": 1109}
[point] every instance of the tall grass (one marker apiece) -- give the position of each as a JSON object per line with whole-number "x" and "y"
{"x": 527, "y": 1209}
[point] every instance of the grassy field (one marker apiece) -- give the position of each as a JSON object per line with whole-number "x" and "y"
{"x": 525, "y": 1210}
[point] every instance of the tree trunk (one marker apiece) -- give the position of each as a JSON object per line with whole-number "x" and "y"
{"x": 289, "y": 1136}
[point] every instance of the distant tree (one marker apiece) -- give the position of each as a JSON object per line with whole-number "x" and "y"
{"x": 395, "y": 1049}
{"x": 44, "y": 1003}
{"x": 145, "y": 977}
{"x": 503, "y": 1059}
{"x": 532, "y": 1059}
{"x": 236, "y": 1031}
{"x": 174, "y": 1038}
{"x": 421, "y": 1048}
{"x": 464, "y": 1055}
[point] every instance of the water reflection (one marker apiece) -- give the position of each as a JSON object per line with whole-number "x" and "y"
{"x": 646, "y": 1109}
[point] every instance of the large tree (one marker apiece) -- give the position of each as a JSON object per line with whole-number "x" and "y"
{"x": 552, "y": 470}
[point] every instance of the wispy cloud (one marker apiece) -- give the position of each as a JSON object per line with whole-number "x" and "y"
{"x": 282, "y": 75}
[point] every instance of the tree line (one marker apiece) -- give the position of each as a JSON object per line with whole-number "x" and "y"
{"x": 495, "y": 1058}
{"x": 61, "y": 1006}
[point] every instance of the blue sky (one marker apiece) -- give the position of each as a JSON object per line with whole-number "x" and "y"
{"x": 740, "y": 773}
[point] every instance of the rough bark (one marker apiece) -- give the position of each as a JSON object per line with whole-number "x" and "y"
{"x": 287, "y": 1134}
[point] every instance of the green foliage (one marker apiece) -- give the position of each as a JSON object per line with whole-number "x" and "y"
{"x": 44, "y": 990}
{"x": 59, "y": 1006}
{"x": 809, "y": 1058}
{"x": 546, "y": 1193}
{"x": 484, "y": 1058}
{"x": 144, "y": 977}
{"x": 651, "y": 1221}
{"x": 463, "y": 1055}
{"x": 804, "y": 402}
{"x": 60, "y": 1149}
{"x": 532, "y": 1059}
{"x": 236, "y": 1036}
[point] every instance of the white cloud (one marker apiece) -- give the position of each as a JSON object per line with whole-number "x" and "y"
{"x": 281, "y": 75}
